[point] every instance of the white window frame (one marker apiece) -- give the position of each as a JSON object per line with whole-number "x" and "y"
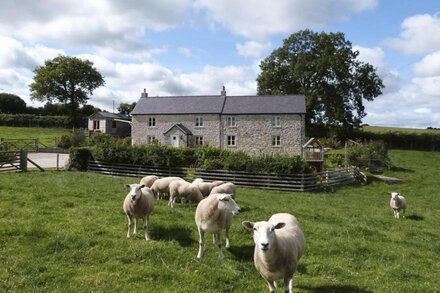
{"x": 231, "y": 140}
{"x": 276, "y": 140}
{"x": 198, "y": 140}
{"x": 96, "y": 124}
{"x": 232, "y": 122}
{"x": 151, "y": 121}
{"x": 151, "y": 139}
{"x": 198, "y": 121}
{"x": 276, "y": 121}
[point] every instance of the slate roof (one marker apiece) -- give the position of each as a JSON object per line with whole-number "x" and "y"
{"x": 181, "y": 127}
{"x": 289, "y": 104}
{"x": 105, "y": 115}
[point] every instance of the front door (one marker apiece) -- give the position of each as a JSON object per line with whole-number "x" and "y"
{"x": 175, "y": 141}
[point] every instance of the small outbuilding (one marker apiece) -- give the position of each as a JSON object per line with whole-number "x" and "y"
{"x": 116, "y": 125}
{"x": 313, "y": 154}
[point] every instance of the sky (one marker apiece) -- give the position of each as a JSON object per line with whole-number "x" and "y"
{"x": 194, "y": 47}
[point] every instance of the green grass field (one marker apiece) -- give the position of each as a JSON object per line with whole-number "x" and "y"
{"x": 47, "y": 136}
{"x": 66, "y": 232}
{"x": 382, "y": 129}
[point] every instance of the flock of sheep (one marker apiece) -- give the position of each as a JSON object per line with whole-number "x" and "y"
{"x": 279, "y": 242}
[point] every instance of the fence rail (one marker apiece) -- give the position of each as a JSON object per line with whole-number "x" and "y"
{"x": 31, "y": 144}
{"x": 298, "y": 182}
{"x": 9, "y": 161}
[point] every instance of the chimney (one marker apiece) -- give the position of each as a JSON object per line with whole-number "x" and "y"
{"x": 223, "y": 92}
{"x": 144, "y": 94}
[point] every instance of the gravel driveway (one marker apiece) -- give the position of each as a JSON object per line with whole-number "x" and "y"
{"x": 48, "y": 160}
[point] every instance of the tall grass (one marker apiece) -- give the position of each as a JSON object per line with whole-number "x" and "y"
{"x": 66, "y": 232}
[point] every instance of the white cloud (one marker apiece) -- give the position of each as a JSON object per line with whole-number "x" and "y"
{"x": 428, "y": 66}
{"x": 260, "y": 19}
{"x": 420, "y": 34}
{"x": 252, "y": 48}
{"x": 186, "y": 52}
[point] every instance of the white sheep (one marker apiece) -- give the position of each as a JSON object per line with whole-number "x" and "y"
{"x": 279, "y": 244}
{"x": 138, "y": 203}
{"x": 148, "y": 180}
{"x": 213, "y": 214}
{"x": 161, "y": 186}
{"x": 184, "y": 189}
{"x": 228, "y": 188}
{"x": 206, "y": 187}
{"x": 397, "y": 204}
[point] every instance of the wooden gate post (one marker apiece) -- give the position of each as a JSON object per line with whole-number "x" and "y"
{"x": 23, "y": 160}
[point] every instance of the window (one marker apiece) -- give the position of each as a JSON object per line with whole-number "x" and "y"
{"x": 276, "y": 140}
{"x": 199, "y": 121}
{"x": 276, "y": 121}
{"x": 152, "y": 122}
{"x": 151, "y": 139}
{"x": 231, "y": 121}
{"x": 231, "y": 140}
{"x": 113, "y": 124}
{"x": 199, "y": 140}
{"x": 95, "y": 124}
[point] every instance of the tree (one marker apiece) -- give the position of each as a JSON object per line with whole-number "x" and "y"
{"x": 126, "y": 108}
{"x": 325, "y": 69}
{"x": 68, "y": 80}
{"x": 11, "y": 104}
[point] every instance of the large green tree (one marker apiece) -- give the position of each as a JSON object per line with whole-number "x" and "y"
{"x": 126, "y": 108}
{"x": 325, "y": 68}
{"x": 68, "y": 80}
{"x": 11, "y": 104}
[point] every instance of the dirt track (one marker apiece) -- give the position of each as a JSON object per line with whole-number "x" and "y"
{"x": 48, "y": 160}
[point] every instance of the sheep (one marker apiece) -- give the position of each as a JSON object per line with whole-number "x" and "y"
{"x": 148, "y": 180}
{"x": 397, "y": 204}
{"x": 182, "y": 188}
{"x": 228, "y": 188}
{"x": 213, "y": 214}
{"x": 161, "y": 186}
{"x": 206, "y": 187}
{"x": 279, "y": 244}
{"x": 138, "y": 203}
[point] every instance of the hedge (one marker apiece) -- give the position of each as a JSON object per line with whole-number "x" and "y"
{"x": 31, "y": 120}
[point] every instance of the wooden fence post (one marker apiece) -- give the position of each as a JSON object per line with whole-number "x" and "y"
{"x": 37, "y": 144}
{"x": 23, "y": 160}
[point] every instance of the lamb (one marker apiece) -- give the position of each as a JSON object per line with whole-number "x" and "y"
{"x": 138, "y": 203}
{"x": 182, "y": 188}
{"x": 206, "y": 187}
{"x": 148, "y": 180}
{"x": 279, "y": 244}
{"x": 397, "y": 203}
{"x": 161, "y": 186}
{"x": 228, "y": 188}
{"x": 213, "y": 214}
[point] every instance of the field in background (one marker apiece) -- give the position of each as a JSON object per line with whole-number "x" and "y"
{"x": 47, "y": 136}
{"x": 57, "y": 235}
{"x": 381, "y": 129}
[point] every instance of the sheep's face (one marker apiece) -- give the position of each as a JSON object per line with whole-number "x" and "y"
{"x": 135, "y": 191}
{"x": 395, "y": 195}
{"x": 264, "y": 233}
{"x": 226, "y": 202}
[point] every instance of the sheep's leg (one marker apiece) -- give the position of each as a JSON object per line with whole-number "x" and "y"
{"x": 228, "y": 243}
{"x": 146, "y": 219}
{"x": 171, "y": 202}
{"x": 288, "y": 285}
{"x": 201, "y": 243}
{"x": 129, "y": 226}
{"x": 218, "y": 242}
{"x": 272, "y": 286}
{"x": 397, "y": 214}
{"x": 135, "y": 226}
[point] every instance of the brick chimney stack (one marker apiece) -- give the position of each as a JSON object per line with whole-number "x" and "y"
{"x": 144, "y": 94}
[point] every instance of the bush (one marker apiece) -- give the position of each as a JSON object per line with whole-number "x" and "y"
{"x": 79, "y": 158}
{"x": 75, "y": 139}
{"x": 372, "y": 155}
{"x": 31, "y": 120}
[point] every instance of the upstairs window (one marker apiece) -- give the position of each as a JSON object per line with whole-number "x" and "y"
{"x": 276, "y": 121}
{"x": 231, "y": 140}
{"x": 152, "y": 122}
{"x": 199, "y": 121}
{"x": 231, "y": 121}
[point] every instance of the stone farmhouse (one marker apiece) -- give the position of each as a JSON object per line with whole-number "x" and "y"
{"x": 254, "y": 124}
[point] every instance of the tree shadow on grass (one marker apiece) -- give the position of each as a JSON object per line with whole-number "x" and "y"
{"x": 180, "y": 234}
{"x": 415, "y": 217}
{"x": 401, "y": 169}
{"x": 335, "y": 289}
{"x": 243, "y": 253}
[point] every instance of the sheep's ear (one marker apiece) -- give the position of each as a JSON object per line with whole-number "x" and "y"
{"x": 279, "y": 225}
{"x": 127, "y": 185}
{"x": 142, "y": 186}
{"x": 248, "y": 225}
{"x": 223, "y": 197}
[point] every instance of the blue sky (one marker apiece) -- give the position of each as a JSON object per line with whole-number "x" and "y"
{"x": 193, "y": 47}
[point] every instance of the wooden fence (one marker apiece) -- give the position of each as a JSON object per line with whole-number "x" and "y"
{"x": 301, "y": 182}
{"x": 16, "y": 160}
{"x": 33, "y": 145}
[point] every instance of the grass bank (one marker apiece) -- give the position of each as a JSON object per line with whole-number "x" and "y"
{"x": 65, "y": 232}
{"x": 47, "y": 136}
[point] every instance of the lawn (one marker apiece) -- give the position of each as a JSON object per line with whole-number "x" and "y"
{"x": 65, "y": 232}
{"x": 47, "y": 136}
